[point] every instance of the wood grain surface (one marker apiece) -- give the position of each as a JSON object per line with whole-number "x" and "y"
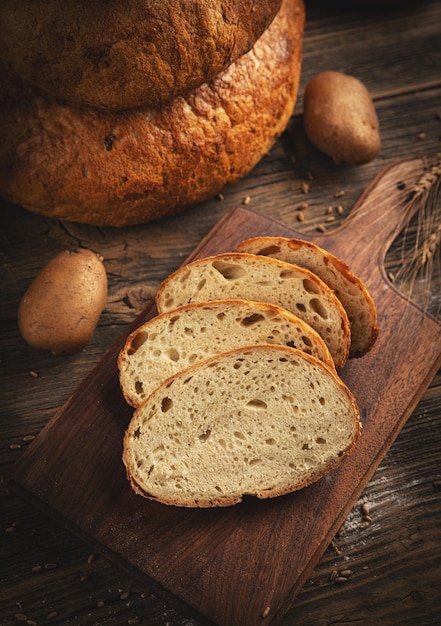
{"x": 244, "y": 564}
{"x": 382, "y": 566}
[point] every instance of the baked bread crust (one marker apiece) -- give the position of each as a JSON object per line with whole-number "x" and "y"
{"x": 262, "y": 420}
{"x": 179, "y": 338}
{"x": 153, "y": 51}
{"x": 120, "y": 168}
{"x": 349, "y": 289}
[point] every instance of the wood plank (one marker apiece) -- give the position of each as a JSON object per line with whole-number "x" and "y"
{"x": 231, "y": 564}
{"x": 367, "y": 31}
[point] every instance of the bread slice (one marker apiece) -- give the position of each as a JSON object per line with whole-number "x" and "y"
{"x": 264, "y": 420}
{"x": 259, "y": 278}
{"x": 175, "y": 340}
{"x": 350, "y": 289}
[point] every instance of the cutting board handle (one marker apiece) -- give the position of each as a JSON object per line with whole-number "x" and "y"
{"x": 378, "y": 217}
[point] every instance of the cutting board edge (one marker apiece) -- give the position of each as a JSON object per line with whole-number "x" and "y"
{"x": 98, "y": 547}
{"x": 370, "y": 472}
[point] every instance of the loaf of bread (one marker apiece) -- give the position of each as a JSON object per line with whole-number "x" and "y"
{"x": 175, "y": 340}
{"x": 119, "y": 54}
{"x": 264, "y": 421}
{"x": 350, "y": 289}
{"x": 127, "y": 167}
{"x": 260, "y": 278}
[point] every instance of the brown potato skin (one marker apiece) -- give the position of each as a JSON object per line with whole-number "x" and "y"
{"x": 61, "y": 308}
{"x": 340, "y": 118}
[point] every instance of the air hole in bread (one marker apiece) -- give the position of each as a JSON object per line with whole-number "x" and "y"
{"x": 307, "y": 341}
{"x": 220, "y": 316}
{"x": 173, "y": 319}
{"x": 301, "y": 307}
{"x": 320, "y": 440}
{"x": 317, "y": 306}
{"x": 255, "y": 318}
{"x": 169, "y": 302}
{"x": 173, "y": 355}
{"x": 188, "y": 331}
{"x": 166, "y": 404}
{"x": 138, "y": 340}
{"x": 288, "y": 274}
{"x": 204, "y": 436}
{"x": 137, "y": 433}
{"x": 310, "y": 286}
{"x": 139, "y": 388}
{"x": 239, "y": 435}
{"x": 230, "y": 271}
{"x": 269, "y": 251}
{"x": 158, "y": 452}
{"x": 270, "y": 442}
{"x": 184, "y": 275}
{"x": 201, "y": 284}
{"x": 322, "y": 401}
{"x": 306, "y": 446}
{"x": 257, "y": 404}
{"x": 254, "y": 461}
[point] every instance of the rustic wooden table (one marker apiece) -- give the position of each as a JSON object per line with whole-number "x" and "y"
{"x": 384, "y": 566}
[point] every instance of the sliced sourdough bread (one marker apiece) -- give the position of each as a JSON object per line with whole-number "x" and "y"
{"x": 264, "y": 420}
{"x": 176, "y": 339}
{"x": 263, "y": 279}
{"x": 350, "y": 289}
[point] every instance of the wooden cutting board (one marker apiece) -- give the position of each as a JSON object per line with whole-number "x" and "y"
{"x": 241, "y": 565}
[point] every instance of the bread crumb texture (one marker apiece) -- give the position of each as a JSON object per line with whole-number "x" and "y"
{"x": 349, "y": 289}
{"x": 262, "y": 421}
{"x": 253, "y": 277}
{"x": 176, "y": 340}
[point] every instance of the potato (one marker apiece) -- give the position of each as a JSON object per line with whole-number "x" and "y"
{"x": 61, "y": 308}
{"x": 340, "y": 118}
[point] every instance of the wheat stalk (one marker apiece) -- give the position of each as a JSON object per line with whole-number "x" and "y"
{"x": 420, "y": 249}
